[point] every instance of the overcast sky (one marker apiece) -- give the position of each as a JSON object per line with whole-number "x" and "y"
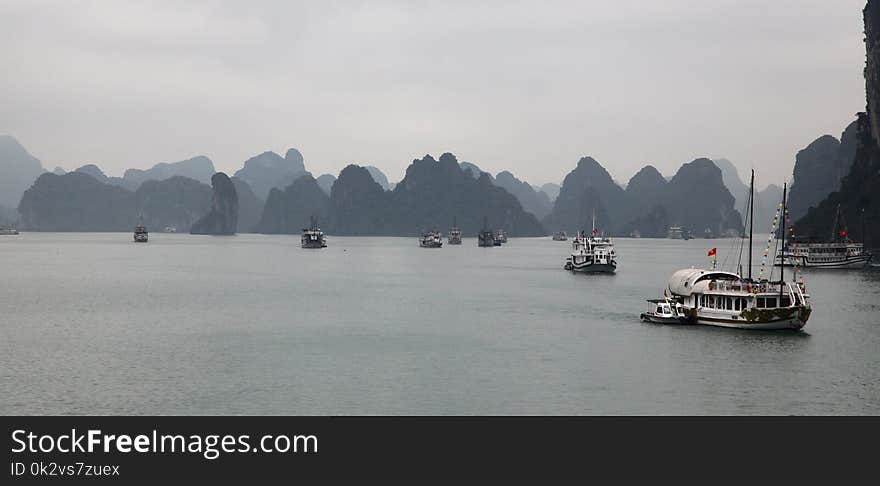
{"x": 524, "y": 86}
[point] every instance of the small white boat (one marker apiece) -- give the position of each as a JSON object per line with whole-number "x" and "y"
{"x": 500, "y": 237}
{"x": 664, "y": 311}
{"x": 560, "y": 236}
{"x": 8, "y": 231}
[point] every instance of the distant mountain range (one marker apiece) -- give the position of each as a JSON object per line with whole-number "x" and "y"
{"x": 694, "y": 198}
{"x": 648, "y": 205}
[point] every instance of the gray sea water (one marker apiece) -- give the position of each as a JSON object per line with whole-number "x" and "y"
{"x": 253, "y": 324}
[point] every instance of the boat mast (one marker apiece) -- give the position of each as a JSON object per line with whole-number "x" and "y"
{"x": 751, "y": 219}
{"x": 782, "y": 266}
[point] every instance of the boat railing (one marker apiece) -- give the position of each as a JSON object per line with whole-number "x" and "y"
{"x": 750, "y": 287}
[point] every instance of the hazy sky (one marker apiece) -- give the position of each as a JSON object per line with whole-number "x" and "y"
{"x": 525, "y": 86}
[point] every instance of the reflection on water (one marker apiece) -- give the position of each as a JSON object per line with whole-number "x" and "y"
{"x": 252, "y": 324}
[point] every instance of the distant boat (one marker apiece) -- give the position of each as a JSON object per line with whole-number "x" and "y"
{"x": 500, "y": 237}
{"x": 313, "y": 237}
{"x": 140, "y": 234}
{"x": 454, "y": 234}
{"x": 485, "y": 237}
{"x": 678, "y": 233}
{"x": 591, "y": 254}
{"x": 708, "y": 233}
{"x": 838, "y": 253}
{"x": 8, "y": 231}
{"x": 431, "y": 239}
{"x": 170, "y": 229}
{"x": 560, "y": 236}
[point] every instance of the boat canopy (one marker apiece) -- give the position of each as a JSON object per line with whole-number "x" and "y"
{"x": 682, "y": 282}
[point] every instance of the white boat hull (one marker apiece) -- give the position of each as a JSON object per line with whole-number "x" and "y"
{"x": 791, "y": 324}
{"x": 846, "y": 263}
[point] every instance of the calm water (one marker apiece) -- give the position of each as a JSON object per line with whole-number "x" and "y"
{"x": 252, "y": 324}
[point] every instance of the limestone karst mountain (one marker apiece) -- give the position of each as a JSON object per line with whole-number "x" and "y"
{"x": 222, "y": 218}
{"x": 288, "y": 211}
{"x": 857, "y": 197}
{"x": 267, "y": 170}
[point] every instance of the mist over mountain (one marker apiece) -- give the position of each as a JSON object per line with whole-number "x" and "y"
{"x": 551, "y": 190}
{"x": 198, "y": 168}
{"x": 535, "y": 202}
{"x": 325, "y": 182}
{"x": 250, "y": 207}
{"x": 288, "y": 211}
{"x": 96, "y": 173}
{"x": 267, "y": 170}
{"x": 737, "y": 187}
{"x": 695, "y": 198}
{"x": 379, "y": 177}
{"x": 76, "y": 202}
{"x": 176, "y": 202}
{"x": 857, "y": 197}
{"x": 18, "y": 170}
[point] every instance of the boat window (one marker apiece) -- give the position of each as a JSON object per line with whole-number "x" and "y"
{"x": 761, "y": 303}
{"x": 659, "y": 309}
{"x": 771, "y": 302}
{"x": 786, "y": 301}
{"x": 728, "y": 303}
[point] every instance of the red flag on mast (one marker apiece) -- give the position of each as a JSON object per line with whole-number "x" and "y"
{"x": 712, "y": 252}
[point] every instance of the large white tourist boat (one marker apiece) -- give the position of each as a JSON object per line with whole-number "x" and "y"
{"x": 838, "y": 253}
{"x": 729, "y": 299}
{"x": 313, "y": 237}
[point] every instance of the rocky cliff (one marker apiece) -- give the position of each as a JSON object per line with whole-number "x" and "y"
{"x": 695, "y": 198}
{"x": 587, "y": 189}
{"x": 359, "y": 206}
{"x": 325, "y": 182}
{"x": 816, "y": 170}
{"x": 222, "y": 219}
{"x": 857, "y": 197}
{"x": 268, "y": 170}
{"x": 176, "y": 202}
{"x": 535, "y": 202}
{"x": 379, "y": 177}
{"x": 250, "y": 207}
{"x": 76, "y": 202}
{"x": 288, "y": 211}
